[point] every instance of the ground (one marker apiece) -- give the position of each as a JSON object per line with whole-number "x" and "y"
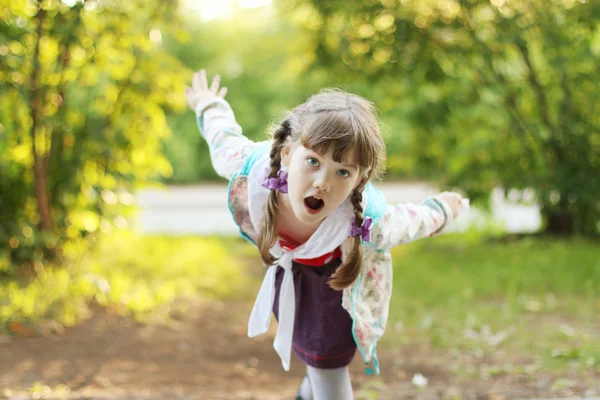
{"x": 205, "y": 354}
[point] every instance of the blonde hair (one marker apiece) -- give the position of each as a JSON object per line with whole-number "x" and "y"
{"x": 348, "y": 123}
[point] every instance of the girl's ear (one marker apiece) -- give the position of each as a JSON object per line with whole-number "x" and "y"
{"x": 286, "y": 152}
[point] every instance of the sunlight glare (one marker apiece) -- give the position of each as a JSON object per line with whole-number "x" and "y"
{"x": 254, "y": 3}
{"x": 213, "y": 9}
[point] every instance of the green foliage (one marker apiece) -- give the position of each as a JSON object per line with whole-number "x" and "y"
{"x": 144, "y": 283}
{"x": 161, "y": 269}
{"x": 85, "y": 90}
{"x": 497, "y": 93}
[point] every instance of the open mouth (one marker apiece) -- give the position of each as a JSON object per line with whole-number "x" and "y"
{"x": 313, "y": 204}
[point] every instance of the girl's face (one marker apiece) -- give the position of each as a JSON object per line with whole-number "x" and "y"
{"x": 317, "y": 184}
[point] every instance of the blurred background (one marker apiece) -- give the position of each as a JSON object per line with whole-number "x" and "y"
{"x": 121, "y": 273}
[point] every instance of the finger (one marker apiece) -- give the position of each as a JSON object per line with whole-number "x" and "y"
{"x": 214, "y": 87}
{"x": 189, "y": 96}
{"x": 222, "y": 92}
{"x": 199, "y": 81}
{"x": 188, "y": 93}
{"x": 203, "y": 82}
{"x": 195, "y": 81}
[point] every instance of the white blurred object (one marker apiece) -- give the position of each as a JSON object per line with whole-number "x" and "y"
{"x": 202, "y": 210}
{"x": 465, "y": 203}
{"x": 419, "y": 380}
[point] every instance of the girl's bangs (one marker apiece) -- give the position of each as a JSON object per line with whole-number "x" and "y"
{"x": 345, "y": 140}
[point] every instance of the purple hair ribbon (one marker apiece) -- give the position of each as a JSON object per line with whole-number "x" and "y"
{"x": 364, "y": 231}
{"x": 279, "y": 183}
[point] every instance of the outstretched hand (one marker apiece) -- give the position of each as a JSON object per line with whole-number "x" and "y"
{"x": 456, "y": 202}
{"x": 200, "y": 91}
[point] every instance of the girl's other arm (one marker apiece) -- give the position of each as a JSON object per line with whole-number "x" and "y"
{"x": 403, "y": 223}
{"x": 217, "y": 124}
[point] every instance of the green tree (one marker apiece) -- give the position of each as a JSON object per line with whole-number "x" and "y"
{"x": 84, "y": 87}
{"x": 497, "y": 92}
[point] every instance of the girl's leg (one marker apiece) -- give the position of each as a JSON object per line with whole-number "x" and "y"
{"x": 305, "y": 391}
{"x": 327, "y": 384}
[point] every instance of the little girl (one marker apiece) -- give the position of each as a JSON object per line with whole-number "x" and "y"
{"x": 304, "y": 199}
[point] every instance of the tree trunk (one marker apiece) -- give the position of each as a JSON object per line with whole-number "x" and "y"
{"x": 559, "y": 221}
{"x": 39, "y": 165}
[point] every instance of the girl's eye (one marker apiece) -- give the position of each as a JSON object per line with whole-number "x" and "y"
{"x": 343, "y": 173}
{"x": 313, "y": 162}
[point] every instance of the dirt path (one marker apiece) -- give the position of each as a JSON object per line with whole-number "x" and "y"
{"x": 206, "y": 354}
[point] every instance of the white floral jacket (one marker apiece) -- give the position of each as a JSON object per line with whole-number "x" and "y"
{"x": 367, "y": 300}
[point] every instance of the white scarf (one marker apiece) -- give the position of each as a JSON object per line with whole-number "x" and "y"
{"x": 332, "y": 232}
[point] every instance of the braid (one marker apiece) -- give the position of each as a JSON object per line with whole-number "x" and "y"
{"x": 356, "y": 199}
{"x": 279, "y": 137}
{"x": 267, "y": 234}
{"x": 348, "y": 272}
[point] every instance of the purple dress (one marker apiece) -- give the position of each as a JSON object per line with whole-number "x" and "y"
{"x": 322, "y": 327}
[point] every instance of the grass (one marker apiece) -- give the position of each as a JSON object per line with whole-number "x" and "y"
{"x": 535, "y": 297}
{"x": 141, "y": 277}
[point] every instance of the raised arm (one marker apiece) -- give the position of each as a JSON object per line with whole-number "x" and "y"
{"x": 403, "y": 223}
{"x": 216, "y": 121}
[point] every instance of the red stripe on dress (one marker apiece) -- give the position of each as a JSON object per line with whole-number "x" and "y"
{"x": 313, "y": 262}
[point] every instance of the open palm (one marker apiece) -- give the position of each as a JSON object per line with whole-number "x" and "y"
{"x": 201, "y": 92}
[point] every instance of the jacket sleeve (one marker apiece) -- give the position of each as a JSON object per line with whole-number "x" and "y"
{"x": 228, "y": 147}
{"x": 403, "y": 223}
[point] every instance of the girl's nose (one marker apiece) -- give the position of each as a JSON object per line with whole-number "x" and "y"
{"x": 322, "y": 182}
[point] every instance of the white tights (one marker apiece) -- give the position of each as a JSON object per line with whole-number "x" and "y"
{"x": 326, "y": 384}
